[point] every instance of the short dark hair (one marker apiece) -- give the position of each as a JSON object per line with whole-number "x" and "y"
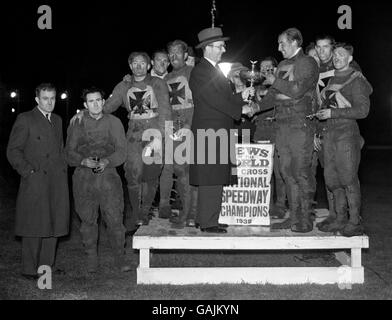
{"x": 345, "y": 46}
{"x": 91, "y": 90}
{"x": 44, "y": 87}
{"x": 272, "y": 59}
{"x": 157, "y": 52}
{"x": 134, "y": 54}
{"x": 293, "y": 34}
{"x": 309, "y": 47}
{"x": 326, "y": 37}
{"x": 177, "y": 42}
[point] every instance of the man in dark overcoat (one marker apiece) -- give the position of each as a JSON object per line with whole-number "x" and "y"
{"x": 216, "y": 108}
{"x": 36, "y": 151}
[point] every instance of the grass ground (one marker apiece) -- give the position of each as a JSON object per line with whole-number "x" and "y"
{"x": 110, "y": 284}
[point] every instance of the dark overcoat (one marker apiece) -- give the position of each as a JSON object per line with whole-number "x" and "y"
{"x": 36, "y": 151}
{"x": 216, "y": 108}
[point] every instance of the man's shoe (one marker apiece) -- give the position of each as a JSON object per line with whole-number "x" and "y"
{"x": 302, "y": 226}
{"x": 31, "y": 277}
{"x": 191, "y": 223}
{"x": 277, "y": 212}
{"x": 214, "y": 230}
{"x": 223, "y": 225}
{"x": 352, "y": 230}
{"x": 336, "y": 226}
{"x": 143, "y": 222}
{"x": 323, "y": 225}
{"x": 286, "y": 224}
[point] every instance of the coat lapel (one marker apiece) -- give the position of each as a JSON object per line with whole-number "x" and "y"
{"x": 48, "y": 129}
{"x": 208, "y": 67}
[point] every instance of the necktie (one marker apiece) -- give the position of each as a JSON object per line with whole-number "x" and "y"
{"x": 47, "y": 117}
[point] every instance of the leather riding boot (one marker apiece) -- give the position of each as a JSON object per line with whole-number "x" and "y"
{"x": 148, "y": 194}
{"x": 340, "y": 201}
{"x": 353, "y": 194}
{"x": 305, "y": 223}
{"x": 354, "y": 226}
{"x": 294, "y": 207}
{"x": 332, "y": 212}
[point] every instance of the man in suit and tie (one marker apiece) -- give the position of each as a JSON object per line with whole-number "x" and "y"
{"x": 216, "y": 108}
{"x": 36, "y": 151}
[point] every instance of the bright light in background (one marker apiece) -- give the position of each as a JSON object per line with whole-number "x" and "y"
{"x": 77, "y": 110}
{"x": 64, "y": 96}
{"x": 13, "y": 94}
{"x": 225, "y": 67}
{"x": 13, "y": 110}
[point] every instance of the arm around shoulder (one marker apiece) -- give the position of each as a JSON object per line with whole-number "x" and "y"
{"x": 116, "y": 99}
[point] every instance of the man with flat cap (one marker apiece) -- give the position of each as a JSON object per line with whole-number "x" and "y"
{"x": 216, "y": 109}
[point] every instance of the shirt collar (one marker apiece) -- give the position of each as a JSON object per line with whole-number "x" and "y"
{"x": 154, "y": 74}
{"x": 90, "y": 117}
{"x": 296, "y": 52}
{"x": 45, "y": 113}
{"x": 212, "y": 62}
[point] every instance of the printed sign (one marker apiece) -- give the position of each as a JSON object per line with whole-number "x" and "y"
{"x": 248, "y": 202}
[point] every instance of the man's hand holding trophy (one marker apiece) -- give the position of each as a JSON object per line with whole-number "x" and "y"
{"x": 249, "y": 93}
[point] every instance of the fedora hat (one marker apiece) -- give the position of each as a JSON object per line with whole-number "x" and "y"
{"x": 210, "y": 35}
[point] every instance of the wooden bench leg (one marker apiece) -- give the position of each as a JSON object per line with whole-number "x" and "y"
{"x": 144, "y": 258}
{"x": 356, "y": 258}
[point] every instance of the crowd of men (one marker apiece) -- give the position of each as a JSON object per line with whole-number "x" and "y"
{"x": 307, "y": 105}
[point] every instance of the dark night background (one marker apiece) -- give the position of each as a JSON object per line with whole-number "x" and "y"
{"x": 90, "y": 43}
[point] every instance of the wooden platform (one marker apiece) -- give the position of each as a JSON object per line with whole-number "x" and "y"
{"x": 159, "y": 236}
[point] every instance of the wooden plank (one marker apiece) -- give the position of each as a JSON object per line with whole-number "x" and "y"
{"x": 278, "y": 276}
{"x": 250, "y": 243}
{"x": 162, "y": 228}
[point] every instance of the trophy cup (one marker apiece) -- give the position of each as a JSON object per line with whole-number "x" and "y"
{"x": 252, "y": 76}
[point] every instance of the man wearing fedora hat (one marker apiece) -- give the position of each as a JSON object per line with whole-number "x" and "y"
{"x": 216, "y": 108}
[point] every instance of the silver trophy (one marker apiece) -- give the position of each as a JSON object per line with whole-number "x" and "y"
{"x": 252, "y": 76}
